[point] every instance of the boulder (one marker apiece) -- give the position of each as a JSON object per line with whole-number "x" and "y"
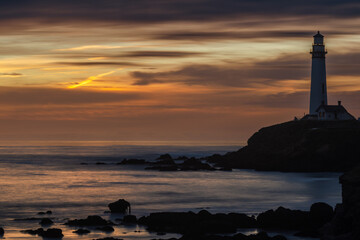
{"x": 165, "y": 157}
{"x": 2, "y": 232}
{"x": 320, "y": 213}
{"x": 46, "y": 222}
{"x": 192, "y": 223}
{"x": 283, "y": 218}
{"x": 89, "y": 221}
{"x": 120, "y": 206}
{"x": 133, "y": 162}
{"x": 50, "y": 233}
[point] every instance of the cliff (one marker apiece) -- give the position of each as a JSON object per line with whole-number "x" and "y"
{"x": 299, "y": 146}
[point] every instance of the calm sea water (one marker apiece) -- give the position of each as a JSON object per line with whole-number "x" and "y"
{"x": 39, "y": 178}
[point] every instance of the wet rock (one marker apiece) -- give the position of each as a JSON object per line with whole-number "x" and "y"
{"x": 165, "y": 157}
{"x": 81, "y": 231}
{"x": 194, "y": 164}
{"x": 89, "y": 221}
{"x": 345, "y": 224}
{"x": 46, "y": 222}
{"x": 50, "y": 233}
{"x": 106, "y": 229}
{"x": 132, "y": 162}
{"x": 2, "y": 232}
{"x": 44, "y": 213}
{"x": 191, "y": 223}
{"x": 120, "y": 206}
{"x": 320, "y": 213}
{"x": 130, "y": 219}
{"x": 283, "y": 218}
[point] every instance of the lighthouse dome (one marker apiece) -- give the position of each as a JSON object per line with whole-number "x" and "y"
{"x": 318, "y": 38}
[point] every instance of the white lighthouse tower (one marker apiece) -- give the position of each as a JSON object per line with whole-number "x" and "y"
{"x": 318, "y": 93}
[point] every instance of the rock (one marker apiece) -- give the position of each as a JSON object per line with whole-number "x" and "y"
{"x": 46, "y": 222}
{"x": 43, "y": 213}
{"x": 106, "y": 229}
{"x": 191, "y": 223}
{"x": 100, "y": 163}
{"x": 195, "y": 164}
{"x": 320, "y": 213}
{"x": 283, "y": 218}
{"x": 81, "y": 231}
{"x": 50, "y": 233}
{"x": 165, "y": 157}
{"x": 130, "y": 219}
{"x": 120, "y": 206}
{"x": 345, "y": 224}
{"x": 132, "y": 162}
{"x": 89, "y": 221}
{"x": 2, "y": 232}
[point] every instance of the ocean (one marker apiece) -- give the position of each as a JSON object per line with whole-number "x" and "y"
{"x": 49, "y": 176}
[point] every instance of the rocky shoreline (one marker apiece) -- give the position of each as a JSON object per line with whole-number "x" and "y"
{"x": 320, "y": 221}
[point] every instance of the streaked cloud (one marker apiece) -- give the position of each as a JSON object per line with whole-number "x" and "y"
{"x": 90, "y": 79}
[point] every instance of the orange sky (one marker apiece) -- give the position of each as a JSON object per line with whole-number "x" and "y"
{"x": 180, "y": 71}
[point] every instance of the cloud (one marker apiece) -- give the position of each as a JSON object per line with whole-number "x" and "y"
{"x": 144, "y": 11}
{"x": 97, "y": 63}
{"x": 90, "y": 79}
{"x": 240, "y": 74}
{"x": 10, "y": 96}
{"x": 164, "y": 54}
{"x": 11, "y": 74}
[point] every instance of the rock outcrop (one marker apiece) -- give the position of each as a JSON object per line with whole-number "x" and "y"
{"x": 346, "y": 223}
{"x": 89, "y": 221}
{"x": 299, "y": 146}
{"x": 120, "y": 206}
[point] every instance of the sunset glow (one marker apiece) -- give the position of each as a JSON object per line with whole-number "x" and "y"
{"x": 173, "y": 71}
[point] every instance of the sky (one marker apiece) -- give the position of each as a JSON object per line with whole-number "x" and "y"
{"x": 203, "y": 71}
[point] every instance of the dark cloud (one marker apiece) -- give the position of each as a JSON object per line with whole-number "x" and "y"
{"x": 165, "y": 54}
{"x": 93, "y": 63}
{"x": 144, "y": 11}
{"x": 285, "y": 67}
{"x": 266, "y": 72}
{"x": 11, "y": 74}
{"x": 59, "y": 96}
{"x": 220, "y": 35}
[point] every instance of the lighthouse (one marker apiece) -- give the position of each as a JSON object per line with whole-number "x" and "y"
{"x": 319, "y": 108}
{"x": 318, "y": 93}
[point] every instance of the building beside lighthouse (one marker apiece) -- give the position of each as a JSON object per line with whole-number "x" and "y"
{"x": 319, "y": 108}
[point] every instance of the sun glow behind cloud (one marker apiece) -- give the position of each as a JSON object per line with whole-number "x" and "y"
{"x": 90, "y": 79}
{"x": 246, "y": 66}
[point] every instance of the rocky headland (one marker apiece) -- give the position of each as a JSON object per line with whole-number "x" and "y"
{"x": 298, "y": 146}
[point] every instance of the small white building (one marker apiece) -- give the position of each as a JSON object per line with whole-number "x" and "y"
{"x": 333, "y": 113}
